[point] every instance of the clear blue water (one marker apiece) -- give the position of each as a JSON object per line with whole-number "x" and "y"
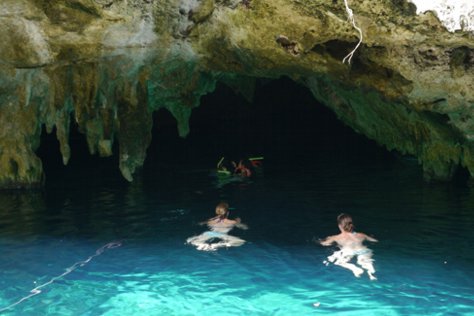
{"x": 424, "y": 259}
{"x": 314, "y": 169}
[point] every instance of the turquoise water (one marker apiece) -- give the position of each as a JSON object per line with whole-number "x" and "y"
{"x": 315, "y": 168}
{"x": 424, "y": 259}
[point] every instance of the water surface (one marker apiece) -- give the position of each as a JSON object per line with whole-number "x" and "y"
{"x": 424, "y": 259}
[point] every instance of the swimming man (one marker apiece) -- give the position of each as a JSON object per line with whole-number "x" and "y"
{"x": 351, "y": 245}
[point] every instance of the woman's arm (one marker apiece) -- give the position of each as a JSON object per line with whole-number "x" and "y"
{"x": 241, "y": 226}
{"x": 208, "y": 222}
{"x": 237, "y": 222}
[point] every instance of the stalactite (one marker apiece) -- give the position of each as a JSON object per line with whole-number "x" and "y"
{"x": 107, "y": 68}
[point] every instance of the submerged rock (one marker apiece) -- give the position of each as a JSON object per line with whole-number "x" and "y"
{"x": 107, "y": 65}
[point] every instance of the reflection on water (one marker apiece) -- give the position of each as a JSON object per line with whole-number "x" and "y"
{"x": 21, "y": 212}
{"x": 423, "y": 260}
{"x": 39, "y": 288}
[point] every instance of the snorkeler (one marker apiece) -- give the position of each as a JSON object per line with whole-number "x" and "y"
{"x": 351, "y": 245}
{"x": 242, "y": 169}
{"x": 219, "y": 227}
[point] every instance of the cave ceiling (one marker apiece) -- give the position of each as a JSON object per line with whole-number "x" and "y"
{"x": 108, "y": 65}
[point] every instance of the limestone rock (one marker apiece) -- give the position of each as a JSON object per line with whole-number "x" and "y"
{"x": 106, "y": 65}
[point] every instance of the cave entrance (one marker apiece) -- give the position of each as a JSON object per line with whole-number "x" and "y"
{"x": 284, "y": 123}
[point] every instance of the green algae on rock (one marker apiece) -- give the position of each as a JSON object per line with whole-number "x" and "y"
{"x": 107, "y": 65}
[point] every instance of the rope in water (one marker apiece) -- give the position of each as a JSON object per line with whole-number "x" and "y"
{"x": 37, "y": 290}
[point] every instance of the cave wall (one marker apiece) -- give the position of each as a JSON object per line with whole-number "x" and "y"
{"x": 107, "y": 65}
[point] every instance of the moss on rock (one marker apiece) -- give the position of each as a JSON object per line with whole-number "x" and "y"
{"x": 109, "y": 64}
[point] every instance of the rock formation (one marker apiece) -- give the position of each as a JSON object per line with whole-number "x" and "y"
{"x": 109, "y": 64}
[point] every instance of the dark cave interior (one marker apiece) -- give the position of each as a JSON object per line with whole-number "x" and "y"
{"x": 284, "y": 123}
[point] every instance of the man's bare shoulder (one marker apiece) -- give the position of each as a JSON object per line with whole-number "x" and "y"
{"x": 366, "y": 237}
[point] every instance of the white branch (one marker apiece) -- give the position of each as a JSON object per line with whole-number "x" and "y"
{"x": 351, "y": 19}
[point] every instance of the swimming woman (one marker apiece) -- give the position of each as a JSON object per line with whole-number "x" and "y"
{"x": 219, "y": 226}
{"x": 351, "y": 245}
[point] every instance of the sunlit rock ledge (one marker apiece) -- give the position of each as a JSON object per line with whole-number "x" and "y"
{"x": 109, "y": 64}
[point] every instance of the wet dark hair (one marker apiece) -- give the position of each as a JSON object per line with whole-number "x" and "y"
{"x": 345, "y": 221}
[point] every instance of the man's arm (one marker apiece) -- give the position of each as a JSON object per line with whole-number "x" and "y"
{"x": 370, "y": 238}
{"x": 328, "y": 241}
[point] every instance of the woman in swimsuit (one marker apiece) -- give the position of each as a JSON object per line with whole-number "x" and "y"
{"x": 351, "y": 245}
{"x": 219, "y": 226}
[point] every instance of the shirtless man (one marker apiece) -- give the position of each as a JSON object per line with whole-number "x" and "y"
{"x": 351, "y": 245}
